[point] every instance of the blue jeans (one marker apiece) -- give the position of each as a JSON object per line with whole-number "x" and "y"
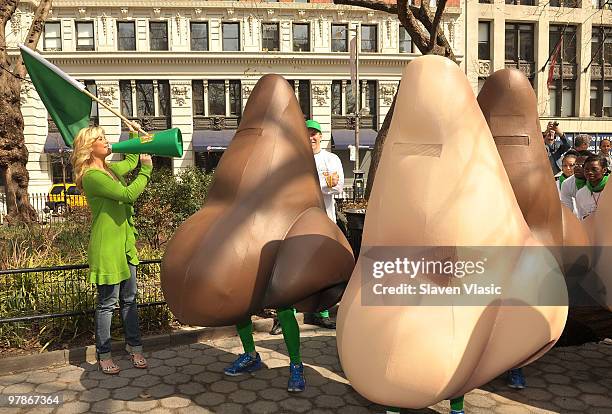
{"x": 125, "y": 293}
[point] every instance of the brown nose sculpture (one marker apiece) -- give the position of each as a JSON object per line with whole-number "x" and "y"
{"x": 441, "y": 187}
{"x": 263, "y": 238}
{"x": 509, "y": 105}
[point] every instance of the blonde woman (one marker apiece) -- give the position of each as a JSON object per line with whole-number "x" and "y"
{"x": 112, "y": 252}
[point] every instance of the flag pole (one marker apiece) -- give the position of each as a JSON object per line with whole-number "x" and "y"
{"x": 114, "y": 111}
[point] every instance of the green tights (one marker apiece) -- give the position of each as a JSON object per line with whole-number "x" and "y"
{"x": 291, "y": 334}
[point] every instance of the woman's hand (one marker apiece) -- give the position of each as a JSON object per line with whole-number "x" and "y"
{"x": 145, "y": 159}
{"x": 134, "y": 126}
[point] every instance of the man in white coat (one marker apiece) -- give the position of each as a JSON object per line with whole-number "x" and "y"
{"x": 331, "y": 180}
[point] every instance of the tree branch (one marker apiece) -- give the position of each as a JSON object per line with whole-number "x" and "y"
{"x": 6, "y": 11}
{"x": 370, "y": 4}
{"x": 36, "y": 28}
{"x": 436, "y": 23}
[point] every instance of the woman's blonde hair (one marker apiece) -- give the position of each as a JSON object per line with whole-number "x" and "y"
{"x": 81, "y": 153}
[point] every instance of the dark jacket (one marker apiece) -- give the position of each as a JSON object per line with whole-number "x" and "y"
{"x": 555, "y": 151}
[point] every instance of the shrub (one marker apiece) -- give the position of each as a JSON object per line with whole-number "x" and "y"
{"x": 167, "y": 201}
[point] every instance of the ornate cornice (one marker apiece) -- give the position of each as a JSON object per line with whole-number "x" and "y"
{"x": 222, "y": 58}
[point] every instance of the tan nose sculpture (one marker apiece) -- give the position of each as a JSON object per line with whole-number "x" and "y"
{"x": 441, "y": 185}
{"x": 263, "y": 238}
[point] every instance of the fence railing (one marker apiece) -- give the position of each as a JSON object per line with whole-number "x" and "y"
{"x": 28, "y": 295}
{"x": 50, "y": 208}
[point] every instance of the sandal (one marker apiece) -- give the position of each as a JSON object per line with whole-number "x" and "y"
{"x": 139, "y": 363}
{"x": 111, "y": 369}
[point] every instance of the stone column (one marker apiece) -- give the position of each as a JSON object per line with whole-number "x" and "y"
{"x": 541, "y": 36}
{"x": 35, "y": 133}
{"x": 108, "y": 92}
{"x": 182, "y": 118}
{"x": 583, "y": 81}
{"x": 247, "y": 87}
{"x": 320, "y": 92}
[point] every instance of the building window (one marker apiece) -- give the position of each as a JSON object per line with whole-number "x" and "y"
{"x": 564, "y": 3}
{"x": 405, "y": 41}
{"x": 519, "y": 42}
{"x": 163, "y": 94}
{"x": 158, "y": 35}
{"x": 521, "y": 2}
{"x": 216, "y": 97}
{"x": 208, "y": 161}
{"x": 339, "y": 41}
{"x": 91, "y": 87}
{"x": 370, "y": 98}
{"x": 127, "y": 36}
{"x": 145, "y": 98}
{"x": 601, "y": 98}
{"x": 484, "y": 40}
{"x": 302, "y": 89}
{"x": 231, "y": 37}
{"x": 52, "y": 39}
{"x": 562, "y": 96}
{"x": 60, "y": 166}
{"x": 235, "y": 97}
{"x": 602, "y": 4}
{"x": 197, "y": 91}
{"x": 369, "y": 38}
{"x": 301, "y": 37}
{"x": 85, "y": 36}
{"x": 269, "y": 37}
{"x": 336, "y": 97}
{"x": 568, "y": 52}
{"x": 199, "y": 36}
{"x": 125, "y": 93}
{"x": 599, "y": 52}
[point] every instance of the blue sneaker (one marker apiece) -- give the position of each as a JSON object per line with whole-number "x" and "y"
{"x": 457, "y": 412}
{"x": 243, "y": 364}
{"x": 516, "y": 379}
{"x": 296, "y": 378}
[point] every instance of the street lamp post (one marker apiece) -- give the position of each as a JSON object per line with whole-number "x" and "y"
{"x": 358, "y": 184}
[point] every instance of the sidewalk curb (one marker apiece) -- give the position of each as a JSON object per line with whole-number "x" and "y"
{"x": 77, "y": 356}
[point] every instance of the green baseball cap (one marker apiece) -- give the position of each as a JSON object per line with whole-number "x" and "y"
{"x": 311, "y": 123}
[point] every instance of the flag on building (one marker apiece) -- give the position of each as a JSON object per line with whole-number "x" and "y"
{"x": 61, "y": 94}
{"x": 553, "y": 62}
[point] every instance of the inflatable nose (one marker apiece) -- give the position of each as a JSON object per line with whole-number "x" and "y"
{"x": 263, "y": 238}
{"x": 441, "y": 185}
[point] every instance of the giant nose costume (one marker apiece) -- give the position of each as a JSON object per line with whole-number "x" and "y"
{"x": 263, "y": 238}
{"x": 441, "y": 182}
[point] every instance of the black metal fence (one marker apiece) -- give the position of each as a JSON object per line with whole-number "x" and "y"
{"x": 44, "y": 293}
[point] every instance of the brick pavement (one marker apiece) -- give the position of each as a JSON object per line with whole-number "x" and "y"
{"x": 189, "y": 379}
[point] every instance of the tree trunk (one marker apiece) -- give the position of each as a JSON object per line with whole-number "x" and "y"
{"x": 426, "y": 34}
{"x": 13, "y": 151}
{"x": 378, "y": 147}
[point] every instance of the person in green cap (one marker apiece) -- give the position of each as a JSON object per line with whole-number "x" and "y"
{"x": 112, "y": 254}
{"x": 331, "y": 180}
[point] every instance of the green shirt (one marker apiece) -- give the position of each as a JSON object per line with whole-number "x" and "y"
{"x": 113, "y": 237}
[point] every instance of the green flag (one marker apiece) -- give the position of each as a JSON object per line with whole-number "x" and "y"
{"x": 62, "y": 95}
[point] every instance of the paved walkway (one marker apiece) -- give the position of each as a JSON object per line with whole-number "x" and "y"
{"x": 189, "y": 379}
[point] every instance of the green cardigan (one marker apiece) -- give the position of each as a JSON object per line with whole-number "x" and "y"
{"x": 113, "y": 237}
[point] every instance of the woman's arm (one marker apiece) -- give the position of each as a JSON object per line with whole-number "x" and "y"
{"x": 97, "y": 183}
{"x": 121, "y": 168}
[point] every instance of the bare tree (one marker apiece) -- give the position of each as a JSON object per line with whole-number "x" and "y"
{"x": 13, "y": 151}
{"x": 427, "y": 35}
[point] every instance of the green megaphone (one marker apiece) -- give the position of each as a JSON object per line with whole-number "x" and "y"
{"x": 168, "y": 143}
